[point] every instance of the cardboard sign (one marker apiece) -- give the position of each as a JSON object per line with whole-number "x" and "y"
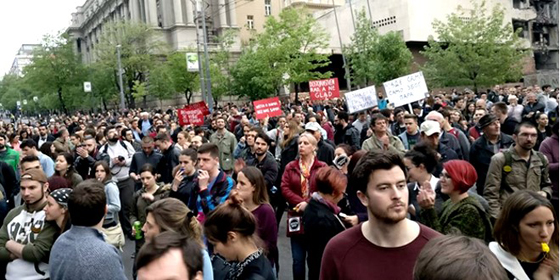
{"x": 324, "y": 89}
{"x": 406, "y": 89}
{"x": 269, "y": 107}
{"x": 361, "y": 99}
{"x": 199, "y": 106}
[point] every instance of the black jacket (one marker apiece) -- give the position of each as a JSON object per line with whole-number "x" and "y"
{"x": 348, "y": 135}
{"x": 450, "y": 141}
{"x": 325, "y": 152}
{"x": 268, "y": 167}
{"x": 168, "y": 161}
{"x": 320, "y": 224}
{"x": 446, "y": 154}
{"x": 140, "y": 158}
{"x": 480, "y": 155}
{"x": 289, "y": 153}
{"x": 509, "y": 126}
{"x": 50, "y": 138}
{"x": 84, "y": 166}
{"x": 9, "y": 181}
{"x": 185, "y": 191}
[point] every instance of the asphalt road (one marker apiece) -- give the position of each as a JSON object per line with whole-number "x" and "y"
{"x": 283, "y": 247}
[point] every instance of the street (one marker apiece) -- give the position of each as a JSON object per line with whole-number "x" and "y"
{"x": 283, "y": 247}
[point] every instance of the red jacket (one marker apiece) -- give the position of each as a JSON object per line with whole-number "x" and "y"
{"x": 291, "y": 181}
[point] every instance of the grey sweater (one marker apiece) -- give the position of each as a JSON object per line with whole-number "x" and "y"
{"x": 81, "y": 253}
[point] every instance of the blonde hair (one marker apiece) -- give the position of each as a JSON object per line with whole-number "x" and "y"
{"x": 173, "y": 215}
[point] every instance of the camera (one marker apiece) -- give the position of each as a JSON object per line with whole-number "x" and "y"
{"x": 120, "y": 158}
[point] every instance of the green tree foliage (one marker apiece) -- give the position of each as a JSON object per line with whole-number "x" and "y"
{"x": 287, "y": 52}
{"x": 55, "y": 68}
{"x": 182, "y": 80}
{"x": 374, "y": 58}
{"x": 140, "y": 51}
{"x": 160, "y": 83}
{"x": 480, "y": 51}
{"x": 221, "y": 66}
{"x": 11, "y": 90}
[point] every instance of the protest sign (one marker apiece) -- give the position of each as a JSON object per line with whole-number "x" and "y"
{"x": 200, "y": 106}
{"x": 406, "y": 89}
{"x": 361, "y": 99}
{"x": 192, "y": 117}
{"x": 269, "y": 107}
{"x": 324, "y": 89}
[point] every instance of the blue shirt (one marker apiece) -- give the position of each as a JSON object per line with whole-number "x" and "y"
{"x": 82, "y": 253}
{"x": 47, "y": 164}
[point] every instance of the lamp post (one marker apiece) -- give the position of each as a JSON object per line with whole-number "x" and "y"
{"x": 120, "y": 76}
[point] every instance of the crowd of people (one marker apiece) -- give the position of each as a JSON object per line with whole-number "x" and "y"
{"x": 461, "y": 185}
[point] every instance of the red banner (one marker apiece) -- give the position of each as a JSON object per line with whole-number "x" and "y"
{"x": 269, "y": 107}
{"x": 324, "y": 89}
{"x": 188, "y": 116}
{"x": 200, "y": 106}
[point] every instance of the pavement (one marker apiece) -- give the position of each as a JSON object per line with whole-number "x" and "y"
{"x": 283, "y": 247}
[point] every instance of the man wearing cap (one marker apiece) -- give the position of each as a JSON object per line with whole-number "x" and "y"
{"x": 429, "y": 134}
{"x": 381, "y": 139}
{"x": 325, "y": 151}
{"x": 26, "y": 237}
{"x": 491, "y": 142}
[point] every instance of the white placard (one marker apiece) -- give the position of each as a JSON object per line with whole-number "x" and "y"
{"x": 361, "y": 99}
{"x": 192, "y": 62}
{"x": 406, "y": 89}
{"x": 87, "y": 86}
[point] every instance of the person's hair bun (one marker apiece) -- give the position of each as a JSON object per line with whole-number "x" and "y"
{"x": 235, "y": 199}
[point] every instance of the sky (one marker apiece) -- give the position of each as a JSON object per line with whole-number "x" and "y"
{"x": 27, "y": 21}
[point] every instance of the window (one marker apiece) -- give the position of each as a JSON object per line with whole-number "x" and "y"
{"x": 250, "y": 22}
{"x": 267, "y": 8}
{"x": 159, "y": 13}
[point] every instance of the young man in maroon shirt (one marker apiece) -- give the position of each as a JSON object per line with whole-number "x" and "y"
{"x": 387, "y": 245}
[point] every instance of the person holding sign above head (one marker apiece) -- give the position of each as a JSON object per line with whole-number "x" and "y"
{"x": 382, "y": 140}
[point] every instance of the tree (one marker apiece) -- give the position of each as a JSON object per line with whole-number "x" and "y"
{"x": 160, "y": 83}
{"x": 11, "y": 90}
{"x": 182, "y": 80}
{"x": 285, "y": 53}
{"x": 139, "y": 50}
{"x": 479, "y": 51}
{"x": 56, "y": 68}
{"x": 220, "y": 66}
{"x": 376, "y": 58}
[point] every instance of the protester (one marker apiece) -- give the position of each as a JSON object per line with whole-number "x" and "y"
{"x": 170, "y": 157}
{"x": 171, "y": 215}
{"x": 29, "y": 147}
{"x": 26, "y": 250}
{"x": 64, "y": 168}
{"x": 232, "y": 229}
{"x": 321, "y": 220}
{"x": 526, "y": 235}
{"x": 297, "y": 186}
{"x": 226, "y": 142}
{"x": 57, "y": 208}
{"x": 81, "y": 252}
{"x": 170, "y": 256}
{"x": 458, "y": 258}
{"x": 549, "y": 148}
{"x": 184, "y": 181}
{"x": 252, "y": 190}
{"x": 369, "y": 251}
{"x": 111, "y": 226}
{"x": 421, "y": 162}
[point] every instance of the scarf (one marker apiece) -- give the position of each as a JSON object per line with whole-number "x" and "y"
{"x": 316, "y": 196}
{"x": 305, "y": 174}
{"x": 236, "y": 270}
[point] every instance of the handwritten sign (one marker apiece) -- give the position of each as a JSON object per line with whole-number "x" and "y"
{"x": 269, "y": 107}
{"x": 324, "y": 89}
{"x": 361, "y": 99}
{"x": 406, "y": 89}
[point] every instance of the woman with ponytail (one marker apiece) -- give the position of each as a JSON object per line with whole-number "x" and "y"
{"x": 231, "y": 229}
{"x": 170, "y": 214}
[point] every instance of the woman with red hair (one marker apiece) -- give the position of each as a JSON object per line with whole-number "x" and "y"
{"x": 320, "y": 219}
{"x": 461, "y": 213}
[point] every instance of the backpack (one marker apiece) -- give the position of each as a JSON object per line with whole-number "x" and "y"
{"x": 509, "y": 161}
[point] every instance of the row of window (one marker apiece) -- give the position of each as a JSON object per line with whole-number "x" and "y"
{"x": 267, "y": 12}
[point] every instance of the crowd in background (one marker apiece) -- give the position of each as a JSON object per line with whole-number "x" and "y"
{"x": 436, "y": 184}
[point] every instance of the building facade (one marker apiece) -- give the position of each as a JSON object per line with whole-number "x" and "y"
{"x": 23, "y": 58}
{"x": 413, "y": 19}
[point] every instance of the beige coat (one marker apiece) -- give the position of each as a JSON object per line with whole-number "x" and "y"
{"x": 534, "y": 178}
{"x": 373, "y": 143}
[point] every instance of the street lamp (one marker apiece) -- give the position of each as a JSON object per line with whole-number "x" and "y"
{"x": 120, "y": 76}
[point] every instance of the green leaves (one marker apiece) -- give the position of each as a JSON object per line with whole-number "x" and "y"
{"x": 374, "y": 58}
{"x": 285, "y": 53}
{"x": 474, "y": 47}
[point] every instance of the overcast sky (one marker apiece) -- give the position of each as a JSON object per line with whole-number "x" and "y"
{"x": 26, "y": 21}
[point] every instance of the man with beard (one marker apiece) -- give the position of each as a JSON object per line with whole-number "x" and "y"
{"x": 519, "y": 168}
{"x": 118, "y": 154}
{"x": 369, "y": 250}
{"x": 170, "y": 158}
{"x": 147, "y": 155}
{"x": 86, "y": 157}
{"x": 43, "y": 136}
{"x": 226, "y": 143}
{"x": 197, "y": 141}
{"x": 346, "y": 133}
{"x": 26, "y": 237}
{"x": 264, "y": 160}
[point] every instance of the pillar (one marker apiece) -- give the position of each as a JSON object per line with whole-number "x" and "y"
{"x": 221, "y": 12}
{"x": 178, "y": 12}
{"x": 232, "y": 14}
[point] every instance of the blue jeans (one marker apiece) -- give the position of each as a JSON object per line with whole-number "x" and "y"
{"x": 299, "y": 254}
